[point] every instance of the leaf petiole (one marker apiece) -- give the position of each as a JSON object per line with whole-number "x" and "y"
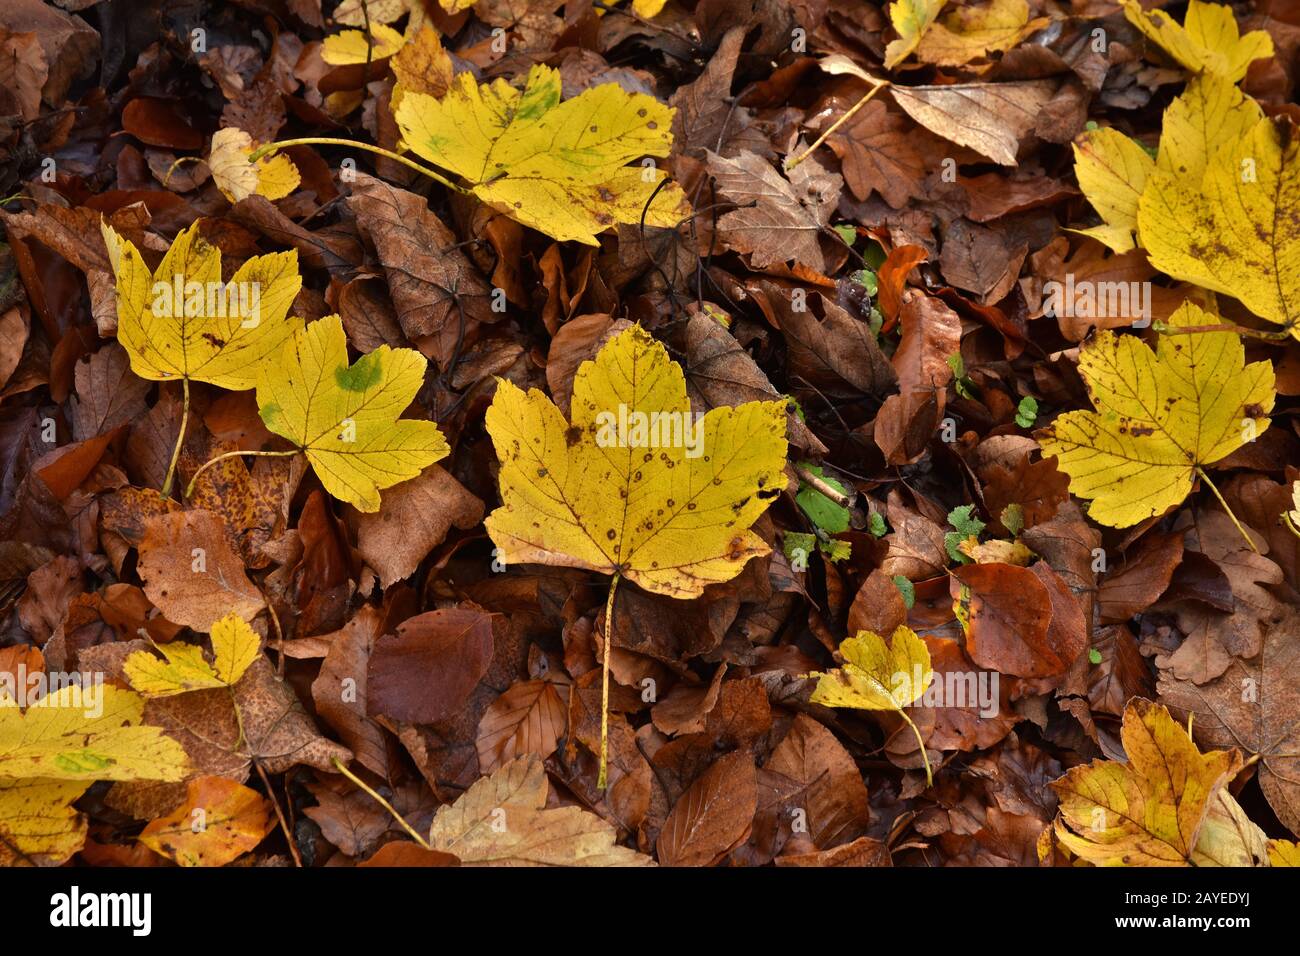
{"x": 1231, "y": 517}
{"x": 338, "y": 765}
{"x": 180, "y": 438}
{"x": 357, "y": 144}
{"x": 929, "y": 776}
{"x": 602, "y": 779}
{"x": 837, "y": 124}
{"x": 189, "y": 489}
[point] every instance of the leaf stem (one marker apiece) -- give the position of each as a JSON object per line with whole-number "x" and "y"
{"x": 602, "y": 779}
{"x": 180, "y": 438}
{"x": 1290, "y": 525}
{"x": 357, "y": 144}
{"x": 237, "y": 453}
{"x": 791, "y": 164}
{"x": 338, "y": 765}
{"x": 1278, "y": 336}
{"x": 929, "y": 775}
{"x": 1231, "y": 517}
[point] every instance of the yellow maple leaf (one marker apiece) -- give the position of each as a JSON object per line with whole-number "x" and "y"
{"x": 1208, "y": 115}
{"x": 1149, "y": 811}
{"x": 1112, "y": 171}
{"x": 350, "y": 47}
{"x": 879, "y": 676}
{"x": 1208, "y": 41}
{"x": 634, "y": 484}
{"x": 1234, "y": 234}
{"x": 422, "y": 66}
{"x": 656, "y": 496}
{"x": 911, "y": 18}
{"x": 38, "y": 824}
{"x": 971, "y": 32}
{"x": 183, "y": 667}
{"x": 560, "y": 167}
{"x": 182, "y": 322}
{"x": 86, "y": 733}
{"x": 273, "y": 177}
{"x": 1161, "y": 417}
{"x": 345, "y": 417}
{"x": 219, "y": 821}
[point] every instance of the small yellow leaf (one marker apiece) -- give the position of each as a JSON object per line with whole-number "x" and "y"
{"x": 1149, "y": 811}
{"x": 237, "y": 178}
{"x": 1235, "y": 234}
{"x": 351, "y": 47}
{"x": 558, "y": 167}
{"x": 182, "y": 321}
{"x": 1160, "y": 416}
{"x": 910, "y": 18}
{"x": 1112, "y": 171}
{"x": 183, "y": 667}
{"x": 876, "y": 675}
{"x": 1208, "y": 41}
{"x": 90, "y": 733}
{"x": 971, "y": 32}
{"x": 456, "y": 6}
{"x": 219, "y": 821}
{"x": 633, "y": 483}
{"x": 345, "y": 417}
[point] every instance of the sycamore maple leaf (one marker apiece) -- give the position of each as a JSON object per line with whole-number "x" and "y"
{"x": 1167, "y": 806}
{"x": 558, "y": 167}
{"x": 1208, "y": 40}
{"x": 345, "y": 417}
{"x": 51, "y": 754}
{"x": 879, "y": 676}
{"x": 595, "y": 492}
{"x": 183, "y": 667}
{"x": 1161, "y": 416}
{"x": 180, "y": 321}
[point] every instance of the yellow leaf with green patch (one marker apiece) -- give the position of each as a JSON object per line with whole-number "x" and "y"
{"x": 1236, "y": 234}
{"x": 559, "y": 167}
{"x": 353, "y": 46}
{"x": 974, "y": 31}
{"x": 1112, "y": 171}
{"x": 86, "y": 733}
{"x": 633, "y": 484}
{"x": 180, "y": 321}
{"x": 911, "y": 18}
{"x": 345, "y": 417}
{"x": 1208, "y": 40}
{"x": 182, "y": 668}
{"x": 219, "y": 821}
{"x": 1160, "y": 416}
{"x": 879, "y": 676}
{"x": 237, "y": 178}
{"x": 1149, "y": 811}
